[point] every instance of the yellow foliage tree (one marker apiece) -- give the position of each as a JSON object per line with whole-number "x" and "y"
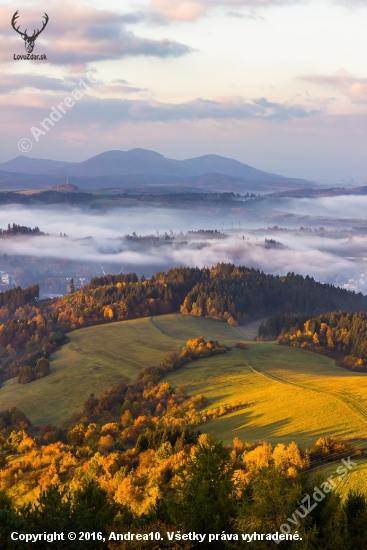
{"x": 259, "y": 457}
{"x": 108, "y": 312}
{"x": 112, "y": 428}
{"x": 50, "y": 477}
{"x": 136, "y": 495}
{"x": 288, "y": 458}
{"x": 106, "y": 442}
{"x": 26, "y": 444}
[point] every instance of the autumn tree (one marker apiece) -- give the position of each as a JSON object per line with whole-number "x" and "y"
{"x": 42, "y": 368}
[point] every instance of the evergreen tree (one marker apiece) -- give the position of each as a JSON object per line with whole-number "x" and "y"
{"x": 9, "y": 521}
{"x": 205, "y": 498}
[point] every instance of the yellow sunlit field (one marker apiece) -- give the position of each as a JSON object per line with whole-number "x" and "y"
{"x": 293, "y": 395}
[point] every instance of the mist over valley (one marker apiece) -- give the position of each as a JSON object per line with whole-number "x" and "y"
{"x": 272, "y": 234}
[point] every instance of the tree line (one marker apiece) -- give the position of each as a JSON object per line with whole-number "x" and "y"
{"x": 16, "y": 229}
{"x": 17, "y": 297}
{"x": 341, "y": 335}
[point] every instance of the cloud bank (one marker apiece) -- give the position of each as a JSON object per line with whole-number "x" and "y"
{"x": 99, "y": 239}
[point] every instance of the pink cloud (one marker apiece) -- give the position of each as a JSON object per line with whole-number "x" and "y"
{"x": 344, "y": 82}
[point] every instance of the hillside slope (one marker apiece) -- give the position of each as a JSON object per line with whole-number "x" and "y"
{"x": 291, "y": 394}
{"x": 97, "y": 357}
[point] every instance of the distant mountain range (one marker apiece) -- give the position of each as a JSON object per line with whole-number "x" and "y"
{"x": 139, "y": 167}
{"x": 27, "y": 165}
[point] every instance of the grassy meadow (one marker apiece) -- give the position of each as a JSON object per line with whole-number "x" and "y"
{"x": 97, "y": 357}
{"x": 292, "y": 394}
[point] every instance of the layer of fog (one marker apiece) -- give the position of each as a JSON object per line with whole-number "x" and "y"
{"x": 113, "y": 223}
{"x": 195, "y": 253}
{"x": 341, "y": 207}
{"x": 99, "y": 238}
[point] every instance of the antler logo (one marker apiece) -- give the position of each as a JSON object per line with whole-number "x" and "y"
{"x": 28, "y": 40}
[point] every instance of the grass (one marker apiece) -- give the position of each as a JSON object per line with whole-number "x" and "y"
{"x": 97, "y": 357}
{"x": 355, "y": 480}
{"x": 292, "y": 394}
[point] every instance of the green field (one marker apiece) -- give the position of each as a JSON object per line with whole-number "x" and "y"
{"x": 292, "y": 394}
{"x": 97, "y": 357}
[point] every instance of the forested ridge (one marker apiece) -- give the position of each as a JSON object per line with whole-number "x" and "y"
{"x": 240, "y": 293}
{"x": 342, "y": 335}
{"x": 33, "y": 329}
{"x": 225, "y": 292}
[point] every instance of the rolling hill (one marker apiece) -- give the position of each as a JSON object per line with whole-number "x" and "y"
{"x": 86, "y": 365}
{"x": 296, "y": 396}
{"x": 292, "y": 394}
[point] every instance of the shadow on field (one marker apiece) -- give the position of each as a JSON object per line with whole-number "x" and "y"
{"x": 243, "y": 424}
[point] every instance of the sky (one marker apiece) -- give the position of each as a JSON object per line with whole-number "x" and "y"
{"x": 280, "y": 85}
